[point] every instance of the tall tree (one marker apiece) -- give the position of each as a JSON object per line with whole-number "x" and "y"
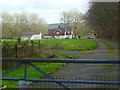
{"x": 103, "y": 18}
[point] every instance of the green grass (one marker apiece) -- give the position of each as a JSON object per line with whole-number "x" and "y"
{"x": 69, "y": 44}
{"x": 32, "y": 73}
{"x": 62, "y": 44}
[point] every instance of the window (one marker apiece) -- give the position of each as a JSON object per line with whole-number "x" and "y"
{"x": 68, "y": 31}
{"x": 57, "y": 32}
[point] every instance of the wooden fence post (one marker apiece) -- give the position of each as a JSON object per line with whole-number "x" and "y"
{"x": 16, "y": 50}
{"x": 39, "y": 44}
{"x": 19, "y": 41}
{"x": 16, "y": 47}
{"x": 32, "y": 47}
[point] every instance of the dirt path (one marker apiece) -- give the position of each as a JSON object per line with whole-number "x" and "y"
{"x": 104, "y": 50}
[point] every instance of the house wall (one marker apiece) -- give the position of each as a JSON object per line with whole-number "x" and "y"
{"x": 55, "y": 33}
{"x": 61, "y": 34}
{"x": 25, "y": 38}
{"x": 47, "y": 36}
{"x": 69, "y": 36}
{"x": 31, "y": 36}
{"x": 64, "y": 36}
{"x": 36, "y": 37}
{"x": 71, "y": 32}
{"x": 60, "y": 37}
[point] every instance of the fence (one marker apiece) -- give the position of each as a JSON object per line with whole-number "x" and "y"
{"x": 60, "y": 82}
{"x": 19, "y": 49}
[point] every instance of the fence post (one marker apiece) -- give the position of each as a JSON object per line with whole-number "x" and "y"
{"x": 19, "y": 41}
{"x": 16, "y": 47}
{"x": 32, "y": 47}
{"x": 16, "y": 50}
{"x": 39, "y": 46}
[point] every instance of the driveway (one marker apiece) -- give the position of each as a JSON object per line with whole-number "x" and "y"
{"x": 104, "y": 50}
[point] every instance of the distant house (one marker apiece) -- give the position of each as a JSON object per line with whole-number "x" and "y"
{"x": 61, "y": 33}
{"x": 31, "y": 35}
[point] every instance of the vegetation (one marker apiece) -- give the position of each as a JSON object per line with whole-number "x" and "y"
{"x": 33, "y": 74}
{"x": 27, "y": 49}
{"x": 13, "y": 25}
{"x": 34, "y": 48}
{"x": 69, "y": 44}
{"x": 62, "y": 44}
{"x": 72, "y": 16}
{"x": 102, "y": 17}
{"x": 75, "y": 19}
{"x": 15, "y": 49}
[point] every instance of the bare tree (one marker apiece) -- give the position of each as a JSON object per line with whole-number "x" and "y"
{"x": 14, "y": 24}
{"x": 74, "y": 18}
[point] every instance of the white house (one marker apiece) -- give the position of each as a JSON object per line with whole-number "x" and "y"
{"x": 31, "y": 35}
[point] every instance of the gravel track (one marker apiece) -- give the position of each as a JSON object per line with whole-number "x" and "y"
{"x": 104, "y": 50}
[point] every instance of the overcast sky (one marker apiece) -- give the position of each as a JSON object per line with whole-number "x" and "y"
{"x": 47, "y": 9}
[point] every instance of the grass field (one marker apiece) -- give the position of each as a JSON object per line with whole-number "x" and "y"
{"x": 59, "y": 44}
{"x": 68, "y": 44}
{"x": 32, "y": 73}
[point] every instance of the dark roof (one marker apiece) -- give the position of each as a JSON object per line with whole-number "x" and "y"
{"x": 62, "y": 29}
{"x": 30, "y": 33}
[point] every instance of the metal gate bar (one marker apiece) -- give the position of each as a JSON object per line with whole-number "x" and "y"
{"x": 11, "y": 69}
{"x": 66, "y": 81}
{"x": 96, "y": 61}
{"x": 45, "y": 74}
{"x": 27, "y": 61}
